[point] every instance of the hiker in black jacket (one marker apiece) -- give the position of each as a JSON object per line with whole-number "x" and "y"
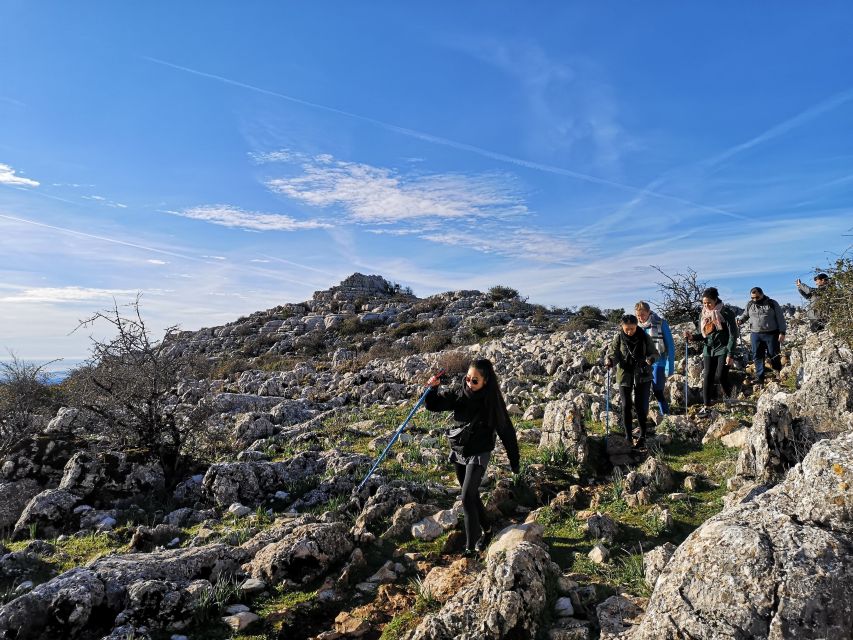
{"x": 633, "y": 352}
{"x": 479, "y": 412}
{"x": 767, "y": 328}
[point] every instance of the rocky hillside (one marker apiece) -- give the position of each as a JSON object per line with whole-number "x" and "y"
{"x": 737, "y": 524}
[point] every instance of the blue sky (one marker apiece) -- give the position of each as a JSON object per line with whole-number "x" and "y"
{"x": 222, "y": 158}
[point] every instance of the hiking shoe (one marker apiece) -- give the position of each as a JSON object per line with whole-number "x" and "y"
{"x": 640, "y": 443}
{"x": 704, "y": 412}
{"x": 485, "y": 539}
{"x": 469, "y": 553}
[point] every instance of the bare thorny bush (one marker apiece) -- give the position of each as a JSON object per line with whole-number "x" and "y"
{"x": 130, "y": 383}
{"x": 682, "y": 295}
{"x": 24, "y": 394}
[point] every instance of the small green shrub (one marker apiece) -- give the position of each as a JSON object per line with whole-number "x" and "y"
{"x": 500, "y": 292}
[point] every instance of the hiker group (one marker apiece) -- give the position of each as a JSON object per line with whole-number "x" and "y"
{"x": 643, "y": 353}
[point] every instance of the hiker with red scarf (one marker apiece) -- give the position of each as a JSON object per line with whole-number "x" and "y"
{"x": 719, "y": 333}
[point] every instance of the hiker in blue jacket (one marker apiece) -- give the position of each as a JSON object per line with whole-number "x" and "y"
{"x": 659, "y": 332}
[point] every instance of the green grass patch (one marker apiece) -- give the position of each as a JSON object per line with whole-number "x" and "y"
{"x": 425, "y": 547}
{"x": 681, "y": 452}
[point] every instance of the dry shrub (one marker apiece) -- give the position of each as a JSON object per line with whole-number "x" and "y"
{"x": 454, "y": 362}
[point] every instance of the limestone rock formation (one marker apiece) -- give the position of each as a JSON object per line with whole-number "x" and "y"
{"x": 508, "y": 600}
{"x": 562, "y": 425}
{"x": 775, "y": 567}
{"x": 304, "y": 555}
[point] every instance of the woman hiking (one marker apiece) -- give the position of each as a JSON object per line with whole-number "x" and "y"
{"x": 480, "y": 414}
{"x": 659, "y": 331}
{"x": 719, "y": 333}
{"x": 633, "y": 352}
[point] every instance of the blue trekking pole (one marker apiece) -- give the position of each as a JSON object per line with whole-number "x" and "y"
{"x": 686, "y": 361}
{"x": 397, "y": 434}
{"x": 607, "y": 405}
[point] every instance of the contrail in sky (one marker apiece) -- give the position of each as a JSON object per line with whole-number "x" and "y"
{"x": 426, "y": 137}
{"x": 102, "y": 238}
{"x": 783, "y": 127}
{"x": 266, "y": 272}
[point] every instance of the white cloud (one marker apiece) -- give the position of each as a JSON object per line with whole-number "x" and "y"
{"x": 7, "y": 176}
{"x": 259, "y": 260}
{"x": 283, "y": 155}
{"x": 527, "y": 244}
{"x": 105, "y": 201}
{"x": 378, "y": 195}
{"x": 158, "y": 262}
{"x": 65, "y": 294}
{"x": 229, "y": 216}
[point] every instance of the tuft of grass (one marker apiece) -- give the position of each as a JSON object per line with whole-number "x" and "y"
{"x": 425, "y": 602}
{"x": 557, "y": 455}
{"x": 400, "y": 626}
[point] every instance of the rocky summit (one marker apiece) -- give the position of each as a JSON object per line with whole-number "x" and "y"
{"x": 206, "y": 486}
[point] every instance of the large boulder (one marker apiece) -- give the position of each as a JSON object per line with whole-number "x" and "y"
{"x": 562, "y": 425}
{"x": 251, "y": 483}
{"x": 159, "y": 604}
{"x": 244, "y": 402}
{"x": 104, "y": 477}
{"x": 508, "y": 600}
{"x": 60, "y": 608}
{"x": 303, "y": 555}
{"x": 48, "y": 514}
{"x": 41, "y": 458}
{"x": 776, "y": 567}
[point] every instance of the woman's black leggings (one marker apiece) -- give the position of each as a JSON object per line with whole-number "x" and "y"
{"x": 639, "y": 402}
{"x": 470, "y": 476}
{"x": 715, "y": 371}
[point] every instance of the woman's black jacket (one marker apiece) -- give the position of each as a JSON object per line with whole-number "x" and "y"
{"x": 472, "y": 411}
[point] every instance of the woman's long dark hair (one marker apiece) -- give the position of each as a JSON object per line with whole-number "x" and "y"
{"x": 494, "y": 400}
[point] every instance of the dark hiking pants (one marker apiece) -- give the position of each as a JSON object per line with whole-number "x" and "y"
{"x": 715, "y": 371}
{"x": 765, "y": 343}
{"x": 635, "y": 398}
{"x": 470, "y": 476}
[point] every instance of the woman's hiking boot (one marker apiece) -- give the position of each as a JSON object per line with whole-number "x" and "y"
{"x": 485, "y": 539}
